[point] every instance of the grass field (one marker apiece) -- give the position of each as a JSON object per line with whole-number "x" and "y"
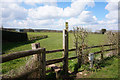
{"x": 54, "y": 41}
{"x": 109, "y": 69}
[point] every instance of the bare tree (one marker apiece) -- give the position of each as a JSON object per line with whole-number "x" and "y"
{"x": 80, "y": 37}
{"x": 112, "y": 38}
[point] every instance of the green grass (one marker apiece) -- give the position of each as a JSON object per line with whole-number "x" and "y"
{"x": 33, "y": 37}
{"x": 54, "y": 41}
{"x": 10, "y": 47}
{"x": 109, "y": 69}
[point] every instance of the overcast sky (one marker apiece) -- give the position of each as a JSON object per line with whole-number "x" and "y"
{"x": 52, "y": 14}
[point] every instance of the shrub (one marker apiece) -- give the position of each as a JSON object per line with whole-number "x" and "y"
{"x": 113, "y": 38}
{"x": 36, "y": 37}
{"x": 80, "y": 41}
{"x": 14, "y": 36}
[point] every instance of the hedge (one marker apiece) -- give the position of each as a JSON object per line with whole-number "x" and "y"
{"x": 31, "y": 37}
{"x": 14, "y": 36}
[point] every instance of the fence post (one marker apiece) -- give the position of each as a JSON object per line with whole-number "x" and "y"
{"x": 65, "y": 47}
{"x": 102, "y": 49}
{"x": 35, "y": 46}
{"x": 43, "y": 64}
{"x": 36, "y": 57}
{"x": 41, "y": 58}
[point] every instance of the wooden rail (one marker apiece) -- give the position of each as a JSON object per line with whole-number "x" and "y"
{"x": 105, "y": 50}
{"x": 72, "y": 58}
{"x": 54, "y": 61}
{"x": 52, "y": 51}
{"x": 60, "y": 59}
{"x": 94, "y": 47}
{"x": 32, "y": 52}
{"x": 60, "y": 50}
{"x": 20, "y": 54}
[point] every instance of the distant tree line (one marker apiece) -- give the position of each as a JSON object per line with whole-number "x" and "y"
{"x": 102, "y": 31}
{"x": 29, "y": 30}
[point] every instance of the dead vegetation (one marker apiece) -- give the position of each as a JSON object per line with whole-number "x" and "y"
{"x": 80, "y": 41}
{"x": 113, "y": 38}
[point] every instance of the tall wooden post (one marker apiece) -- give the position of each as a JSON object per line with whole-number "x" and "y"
{"x": 43, "y": 64}
{"x": 65, "y": 53}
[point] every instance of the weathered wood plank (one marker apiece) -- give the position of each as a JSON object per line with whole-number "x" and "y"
{"x": 43, "y": 64}
{"x": 54, "y": 61}
{"x": 105, "y": 50}
{"x": 20, "y": 54}
{"x": 52, "y": 51}
{"x": 60, "y": 50}
{"x": 72, "y": 49}
{"x": 72, "y": 58}
{"x": 93, "y": 47}
{"x": 58, "y": 60}
{"x": 99, "y": 46}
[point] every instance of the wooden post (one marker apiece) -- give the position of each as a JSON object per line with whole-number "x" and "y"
{"x": 35, "y": 46}
{"x": 41, "y": 58}
{"x": 36, "y": 57}
{"x": 102, "y": 52}
{"x": 65, "y": 53}
{"x": 43, "y": 64}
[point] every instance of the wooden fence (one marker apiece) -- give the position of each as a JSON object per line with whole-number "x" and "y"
{"x": 40, "y": 54}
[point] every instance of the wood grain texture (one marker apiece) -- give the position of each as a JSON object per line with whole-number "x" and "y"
{"x": 20, "y": 54}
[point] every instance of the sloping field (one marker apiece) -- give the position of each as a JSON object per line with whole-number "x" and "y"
{"x": 54, "y": 41}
